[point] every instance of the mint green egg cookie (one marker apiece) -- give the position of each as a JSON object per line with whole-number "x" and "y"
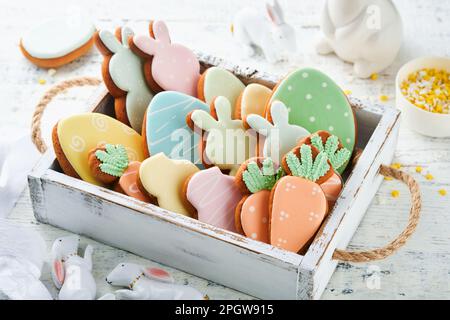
{"x": 315, "y": 102}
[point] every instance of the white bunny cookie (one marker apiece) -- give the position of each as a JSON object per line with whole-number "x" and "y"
{"x": 123, "y": 75}
{"x": 365, "y": 32}
{"x": 281, "y": 136}
{"x": 227, "y": 142}
{"x": 266, "y": 30}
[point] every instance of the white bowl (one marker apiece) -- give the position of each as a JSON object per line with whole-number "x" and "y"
{"x": 424, "y": 122}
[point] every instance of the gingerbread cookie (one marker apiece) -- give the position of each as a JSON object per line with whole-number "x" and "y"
{"x": 165, "y": 129}
{"x": 170, "y": 66}
{"x": 108, "y": 162}
{"x": 252, "y": 100}
{"x": 216, "y": 82}
{"x": 316, "y": 103}
{"x": 214, "y": 196}
{"x": 128, "y": 183}
{"x": 123, "y": 75}
{"x": 75, "y": 136}
{"x": 164, "y": 178}
{"x": 56, "y": 42}
{"x": 298, "y": 204}
{"x": 256, "y": 176}
{"x": 280, "y": 137}
{"x": 227, "y": 143}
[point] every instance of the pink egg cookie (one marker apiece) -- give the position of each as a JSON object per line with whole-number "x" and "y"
{"x": 172, "y": 66}
{"x": 214, "y": 196}
{"x": 127, "y": 183}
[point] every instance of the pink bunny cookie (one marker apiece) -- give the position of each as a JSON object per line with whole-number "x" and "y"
{"x": 171, "y": 66}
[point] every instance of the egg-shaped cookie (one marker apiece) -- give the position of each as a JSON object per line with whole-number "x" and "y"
{"x": 75, "y": 136}
{"x": 316, "y": 102}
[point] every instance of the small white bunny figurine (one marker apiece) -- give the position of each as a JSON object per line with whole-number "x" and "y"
{"x": 71, "y": 273}
{"x": 266, "y": 30}
{"x": 22, "y": 254}
{"x": 147, "y": 284}
{"x": 367, "y": 33}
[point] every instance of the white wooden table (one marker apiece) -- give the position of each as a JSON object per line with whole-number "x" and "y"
{"x": 419, "y": 270}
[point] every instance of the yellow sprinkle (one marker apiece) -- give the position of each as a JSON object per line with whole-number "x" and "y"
{"x": 396, "y": 165}
{"x": 442, "y": 192}
{"x": 42, "y": 81}
{"x": 388, "y": 178}
{"x": 395, "y": 193}
{"x": 429, "y": 176}
{"x": 374, "y": 76}
{"x": 418, "y": 169}
{"x": 384, "y": 98}
{"x": 348, "y": 92}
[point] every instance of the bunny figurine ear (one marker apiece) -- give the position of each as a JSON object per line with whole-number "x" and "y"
{"x": 160, "y": 31}
{"x": 145, "y": 44}
{"x": 58, "y": 273}
{"x": 274, "y": 12}
{"x": 279, "y": 113}
{"x": 158, "y": 274}
{"x": 109, "y": 41}
{"x": 127, "y": 33}
{"x": 222, "y": 108}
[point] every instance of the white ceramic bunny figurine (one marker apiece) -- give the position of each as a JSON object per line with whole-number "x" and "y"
{"x": 266, "y": 30}
{"x": 367, "y": 33}
{"x": 22, "y": 254}
{"x": 126, "y": 71}
{"x": 148, "y": 284}
{"x": 71, "y": 273}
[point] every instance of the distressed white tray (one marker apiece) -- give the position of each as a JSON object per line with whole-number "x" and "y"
{"x": 255, "y": 268}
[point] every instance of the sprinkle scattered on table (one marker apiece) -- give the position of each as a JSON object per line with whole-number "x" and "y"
{"x": 429, "y": 176}
{"x": 348, "y": 92}
{"x": 374, "y": 76}
{"x": 42, "y": 81}
{"x": 428, "y": 89}
{"x": 51, "y": 72}
{"x": 396, "y": 165}
{"x": 388, "y": 178}
{"x": 395, "y": 193}
{"x": 418, "y": 169}
{"x": 442, "y": 192}
{"x": 384, "y": 98}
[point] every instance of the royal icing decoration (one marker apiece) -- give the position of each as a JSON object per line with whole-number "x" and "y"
{"x": 126, "y": 71}
{"x": 215, "y": 197}
{"x": 113, "y": 160}
{"x": 264, "y": 178}
{"x": 79, "y": 134}
{"x": 227, "y": 143}
{"x": 315, "y": 103}
{"x": 219, "y": 82}
{"x": 330, "y": 145}
{"x": 57, "y": 37}
{"x": 281, "y": 136}
{"x": 166, "y": 130}
{"x": 299, "y": 204}
{"x": 128, "y": 182}
{"x": 173, "y": 66}
{"x": 253, "y": 100}
{"x": 164, "y": 179}
{"x": 254, "y": 216}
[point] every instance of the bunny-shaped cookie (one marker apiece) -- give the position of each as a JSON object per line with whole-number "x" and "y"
{"x": 266, "y": 30}
{"x": 172, "y": 66}
{"x": 281, "y": 136}
{"x": 123, "y": 75}
{"x": 227, "y": 142}
{"x": 365, "y": 32}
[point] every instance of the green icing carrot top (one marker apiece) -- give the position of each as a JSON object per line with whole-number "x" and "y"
{"x": 257, "y": 179}
{"x": 114, "y": 160}
{"x": 337, "y": 157}
{"x": 306, "y": 167}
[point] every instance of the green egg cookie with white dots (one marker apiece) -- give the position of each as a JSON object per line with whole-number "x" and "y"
{"x": 315, "y": 102}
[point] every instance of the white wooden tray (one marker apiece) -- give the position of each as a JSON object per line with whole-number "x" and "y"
{"x": 255, "y": 268}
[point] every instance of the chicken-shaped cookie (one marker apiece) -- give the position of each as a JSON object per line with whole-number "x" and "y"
{"x": 280, "y": 136}
{"x": 164, "y": 178}
{"x": 227, "y": 143}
